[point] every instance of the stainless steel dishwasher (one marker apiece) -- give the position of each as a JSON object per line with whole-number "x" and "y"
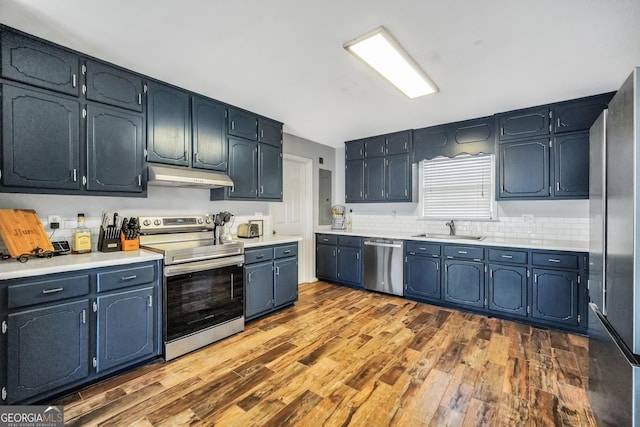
{"x": 383, "y": 267}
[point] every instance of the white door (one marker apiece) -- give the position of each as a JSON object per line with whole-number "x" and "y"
{"x": 293, "y": 216}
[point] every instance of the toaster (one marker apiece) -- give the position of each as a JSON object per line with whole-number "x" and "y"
{"x": 248, "y": 230}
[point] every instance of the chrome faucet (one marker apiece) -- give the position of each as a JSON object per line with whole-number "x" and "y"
{"x": 452, "y": 228}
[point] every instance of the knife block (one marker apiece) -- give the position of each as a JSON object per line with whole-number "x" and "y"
{"x": 108, "y": 245}
{"x": 129, "y": 245}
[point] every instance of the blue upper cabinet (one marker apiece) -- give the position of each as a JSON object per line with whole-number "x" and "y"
{"x": 269, "y": 132}
{"x": 168, "y": 125}
{"x": 39, "y": 64}
{"x": 470, "y": 137}
{"x": 243, "y": 124}
{"x": 532, "y": 122}
{"x": 544, "y": 151}
{"x": 209, "y": 127}
{"x": 378, "y": 169}
{"x": 110, "y": 85}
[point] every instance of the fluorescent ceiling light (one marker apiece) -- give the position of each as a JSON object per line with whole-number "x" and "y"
{"x": 382, "y": 53}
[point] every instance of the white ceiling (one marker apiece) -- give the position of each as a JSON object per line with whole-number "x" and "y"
{"x": 284, "y": 58}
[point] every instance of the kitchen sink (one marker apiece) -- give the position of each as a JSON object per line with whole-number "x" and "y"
{"x": 448, "y": 236}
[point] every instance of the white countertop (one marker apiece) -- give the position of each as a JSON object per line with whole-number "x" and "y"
{"x": 554, "y": 245}
{"x": 267, "y": 240}
{"x": 12, "y": 269}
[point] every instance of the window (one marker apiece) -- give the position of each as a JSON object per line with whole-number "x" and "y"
{"x": 459, "y": 188}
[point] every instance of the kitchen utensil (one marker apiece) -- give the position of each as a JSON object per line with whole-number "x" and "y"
{"x": 22, "y": 231}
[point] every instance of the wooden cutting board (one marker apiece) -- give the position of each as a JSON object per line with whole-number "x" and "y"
{"x": 22, "y": 231}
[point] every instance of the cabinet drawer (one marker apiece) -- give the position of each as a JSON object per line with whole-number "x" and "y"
{"x": 420, "y": 248}
{"x": 285, "y": 251}
{"x": 39, "y": 292}
{"x": 501, "y": 255}
{"x": 327, "y": 239}
{"x": 350, "y": 241}
{"x": 123, "y": 278}
{"x": 555, "y": 260}
{"x": 466, "y": 252}
{"x": 258, "y": 255}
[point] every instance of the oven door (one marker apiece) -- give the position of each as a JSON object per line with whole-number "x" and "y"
{"x": 202, "y": 294}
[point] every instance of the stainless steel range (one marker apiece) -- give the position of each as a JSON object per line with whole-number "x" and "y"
{"x": 203, "y": 281}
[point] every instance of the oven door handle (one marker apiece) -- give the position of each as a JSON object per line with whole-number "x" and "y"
{"x": 194, "y": 267}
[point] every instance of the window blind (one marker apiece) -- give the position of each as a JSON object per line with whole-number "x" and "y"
{"x": 460, "y": 188}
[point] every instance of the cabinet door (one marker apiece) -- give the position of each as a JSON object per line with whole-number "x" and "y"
{"x": 571, "y": 165}
{"x": 473, "y": 136}
{"x": 286, "y": 281}
{"x": 209, "y": 134}
{"x": 555, "y": 296}
{"x": 269, "y": 132}
{"x": 422, "y": 277}
{"x": 125, "y": 328}
{"x": 48, "y": 348}
{"x": 524, "y": 169}
{"x": 40, "y": 140}
{"x": 350, "y": 265}
{"x": 524, "y": 124}
{"x": 115, "y": 147}
{"x": 269, "y": 172}
{"x": 258, "y": 279}
{"x": 374, "y": 179}
{"x": 398, "y": 143}
{"x": 354, "y": 181}
{"x": 508, "y": 289}
{"x": 39, "y": 64}
{"x": 113, "y": 86}
{"x": 243, "y": 124}
{"x": 354, "y": 150}
{"x": 168, "y": 125}
{"x": 243, "y": 169}
{"x": 374, "y": 147}
{"x": 578, "y": 115}
{"x": 430, "y": 142}
{"x": 326, "y": 262}
{"x": 464, "y": 282}
{"x": 398, "y": 178}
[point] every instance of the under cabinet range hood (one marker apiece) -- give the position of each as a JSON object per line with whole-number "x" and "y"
{"x": 170, "y": 176}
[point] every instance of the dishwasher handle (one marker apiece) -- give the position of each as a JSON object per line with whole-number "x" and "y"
{"x": 383, "y": 245}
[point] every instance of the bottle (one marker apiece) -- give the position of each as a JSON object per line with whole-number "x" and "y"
{"x": 81, "y": 241}
{"x": 350, "y": 220}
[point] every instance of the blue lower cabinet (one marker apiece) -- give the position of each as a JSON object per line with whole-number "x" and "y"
{"x": 48, "y": 348}
{"x": 63, "y": 332}
{"x": 271, "y": 283}
{"x": 507, "y": 289}
{"x": 350, "y": 265}
{"x": 258, "y": 279}
{"x": 555, "y": 296}
{"x": 422, "y": 277}
{"x": 327, "y": 262}
{"x": 286, "y": 281}
{"x": 464, "y": 283}
{"x": 125, "y": 327}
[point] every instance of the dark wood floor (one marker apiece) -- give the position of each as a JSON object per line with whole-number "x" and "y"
{"x": 344, "y": 357}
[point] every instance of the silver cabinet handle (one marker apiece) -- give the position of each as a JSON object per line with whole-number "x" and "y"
{"x": 83, "y": 316}
{"x": 150, "y": 300}
{"x": 462, "y": 252}
{"x": 325, "y": 240}
{"x": 507, "y": 256}
{"x": 139, "y": 180}
{"x": 277, "y": 271}
{"x": 423, "y": 249}
{"x": 233, "y": 125}
{"x": 75, "y": 175}
{"x": 52, "y": 291}
{"x": 259, "y": 256}
{"x": 74, "y": 80}
{"x": 123, "y": 278}
{"x": 553, "y": 260}
{"x": 288, "y": 251}
{"x": 558, "y": 186}
{"x": 139, "y": 99}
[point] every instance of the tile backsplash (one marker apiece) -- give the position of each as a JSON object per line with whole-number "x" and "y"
{"x": 547, "y": 228}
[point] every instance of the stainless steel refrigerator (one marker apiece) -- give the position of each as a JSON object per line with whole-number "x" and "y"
{"x": 614, "y": 260}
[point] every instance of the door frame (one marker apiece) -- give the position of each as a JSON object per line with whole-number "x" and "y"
{"x": 306, "y": 269}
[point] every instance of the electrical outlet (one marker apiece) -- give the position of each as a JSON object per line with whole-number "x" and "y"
{"x": 54, "y": 219}
{"x": 527, "y": 218}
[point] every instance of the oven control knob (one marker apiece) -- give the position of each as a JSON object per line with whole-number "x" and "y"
{"x": 200, "y": 221}
{"x": 146, "y": 223}
{"x": 157, "y": 222}
{"x": 208, "y": 220}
